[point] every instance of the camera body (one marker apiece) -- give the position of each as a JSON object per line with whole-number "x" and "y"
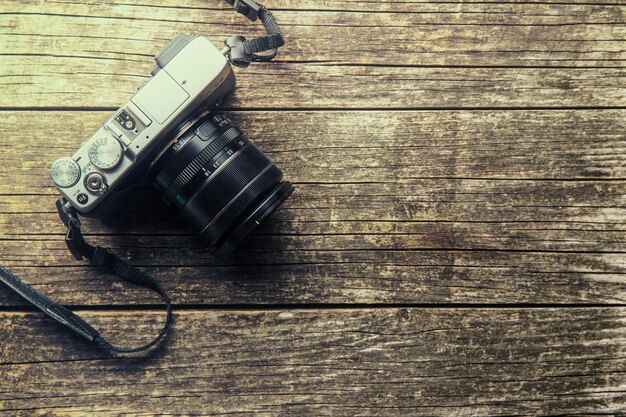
{"x": 191, "y": 74}
{"x": 218, "y": 181}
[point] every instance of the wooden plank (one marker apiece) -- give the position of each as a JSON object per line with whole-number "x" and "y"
{"x": 42, "y": 81}
{"x": 391, "y": 210}
{"x": 367, "y": 146}
{"x": 346, "y": 252}
{"x": 326, "y": 276}
{"x": 299, "y": 257}
{"x": 423, "y": 35}
{"x": 383, "y": 362}
{"x": 85, "y": 65}
{"x": 391, "y": 6}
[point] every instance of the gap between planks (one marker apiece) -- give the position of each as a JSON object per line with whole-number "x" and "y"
{"x": 330, "y": 109}
{"x": 150, "y": 308}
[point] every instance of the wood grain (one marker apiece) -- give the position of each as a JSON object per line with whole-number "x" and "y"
{"x": 305, "y": 255}
{"x": 324, "y": 277}
{"x": 367, "y": 146}
{"x": 529, "y": 181}
{"x": 505, "y": 186}
{"x": 382, "y": 362}
{"x": 427, "y": 34}
{"x": 455, "y": 56}
{"x": 456, "y": 244}
{"x": 84, "y": 82}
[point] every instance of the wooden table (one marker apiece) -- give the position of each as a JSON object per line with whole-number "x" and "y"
{"x": 455, "y": 245}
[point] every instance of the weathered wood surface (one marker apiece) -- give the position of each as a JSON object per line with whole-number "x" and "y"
{"x": 381, "y": 362}
{"x": 426, "y": 34}
{"x": 468, "y": 153}
{"x": 371, "y": 147}
{"x": 57, "y": 54}
{"x": 478, "y": 206}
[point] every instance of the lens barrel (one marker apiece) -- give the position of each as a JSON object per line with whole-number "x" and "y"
{"x": 218, "y": 181}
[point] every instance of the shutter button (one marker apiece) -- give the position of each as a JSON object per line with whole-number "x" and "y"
{"x": 95, "y": 184}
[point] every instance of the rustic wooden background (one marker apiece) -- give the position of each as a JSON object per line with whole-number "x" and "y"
{"x": 455, "y": 246}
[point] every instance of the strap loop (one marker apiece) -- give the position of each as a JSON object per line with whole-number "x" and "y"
{"x": 98, "y": 256}
{"x": 241, "y": 52}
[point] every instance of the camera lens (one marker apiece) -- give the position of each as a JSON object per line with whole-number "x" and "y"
{"x": 218, "y": 181}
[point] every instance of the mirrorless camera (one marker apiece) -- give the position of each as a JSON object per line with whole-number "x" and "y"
{"x": 217, "y": 180}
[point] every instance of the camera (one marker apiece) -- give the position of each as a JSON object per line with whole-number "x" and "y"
{"x": 170, "y": 132}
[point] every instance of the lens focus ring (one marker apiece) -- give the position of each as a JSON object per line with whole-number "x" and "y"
{"x": 219, "y": 190}
{"x": 199, "y": 161}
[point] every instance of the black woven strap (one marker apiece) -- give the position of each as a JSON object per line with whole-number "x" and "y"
{"x": 54, "y": 310}
{"x": 98, "y": 257}
{"x": 242, "y": 52}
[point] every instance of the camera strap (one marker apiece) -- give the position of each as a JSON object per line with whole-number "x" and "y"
{"x": 98, "y": 257}
{"x": 241, "y": 52}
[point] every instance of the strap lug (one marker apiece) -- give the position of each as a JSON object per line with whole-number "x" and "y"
{"x": 236, "y": 51}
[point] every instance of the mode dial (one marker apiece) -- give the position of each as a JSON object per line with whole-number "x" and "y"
{"x": 65, "y": 172}
{"x": 105, "y": 152}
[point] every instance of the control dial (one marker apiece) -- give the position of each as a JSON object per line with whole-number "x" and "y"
{"x": 65, "y": 172}
{"x": 105, "y": 152}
